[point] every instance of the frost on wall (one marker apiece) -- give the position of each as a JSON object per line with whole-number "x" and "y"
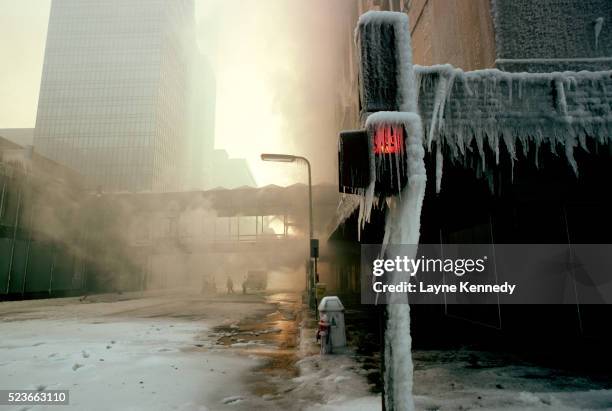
{"x": 552, "y": 29}
{"x": 560, "y": 111}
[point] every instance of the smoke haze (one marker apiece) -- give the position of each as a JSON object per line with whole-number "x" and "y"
{"x": 278, "y": 65}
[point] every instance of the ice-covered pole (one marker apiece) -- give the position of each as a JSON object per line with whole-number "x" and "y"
{"x": 388, "y": 96}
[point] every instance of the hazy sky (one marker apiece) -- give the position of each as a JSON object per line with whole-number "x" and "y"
{"x": 275, "y": 62}
{"x": 23, "y": 30}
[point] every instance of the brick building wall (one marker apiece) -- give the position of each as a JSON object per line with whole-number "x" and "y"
{"x": 457, "y": 32}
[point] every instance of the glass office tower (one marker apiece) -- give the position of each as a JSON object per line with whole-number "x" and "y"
{"x": 114, "y": 91}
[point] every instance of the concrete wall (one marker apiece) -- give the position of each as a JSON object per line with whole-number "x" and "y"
{"x": 459, "y": 32}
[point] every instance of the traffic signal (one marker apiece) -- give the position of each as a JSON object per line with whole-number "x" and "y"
{"x": 381, "y": 152}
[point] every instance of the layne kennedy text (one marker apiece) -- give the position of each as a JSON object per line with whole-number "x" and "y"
{"x": 462, "y": 287}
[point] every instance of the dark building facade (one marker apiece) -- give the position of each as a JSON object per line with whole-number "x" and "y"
{"x": 39, "y": 253}
{"x": 528, "y": 192}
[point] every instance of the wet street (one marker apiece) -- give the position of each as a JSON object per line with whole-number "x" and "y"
{"x": 272, "y": 336}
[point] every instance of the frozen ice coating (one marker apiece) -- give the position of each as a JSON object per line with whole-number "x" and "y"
{"x": 402, "y": 227}
{"x": 453, "y": 112}
{"x": 402, "y": 224}
{"x": 347, "y": 205}
{"x": 493, "y": 107}
{"x": 405, "y": 98}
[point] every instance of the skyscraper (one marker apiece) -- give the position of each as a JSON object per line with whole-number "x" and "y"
{"x": 202, "y": 121}
{"x": 113, "y": 100}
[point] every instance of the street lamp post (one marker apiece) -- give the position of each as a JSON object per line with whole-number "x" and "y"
{"x": 287, "y": 158}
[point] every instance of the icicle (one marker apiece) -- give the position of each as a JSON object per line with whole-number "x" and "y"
{"x": 510, "y": 146}
{"x": 493, "y": 140}
{"x": 570, "y": 143}
{"x": 509, "y": 79}
{"x": 445, "y": 85}
{"x": 347, "y": 205}
{"x": 466, "y": 86}
{"x": 418, "y": 78}
{"x": 480, "y": 144}
{"x": 561, "y": 100}
{"x": 599, "y": 21}
{"x": 439, "y": 166}
{"x": 582, "y": 142}
{"x": 367, "y": 199}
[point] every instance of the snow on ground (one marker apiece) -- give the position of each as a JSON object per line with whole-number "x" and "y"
{"x": 123, "y": 355}
{"x": 371, "y": 403}
{"x": 334, "y": 382}
{"x": 173, "y": 352}
{"x": 136, "y": 365}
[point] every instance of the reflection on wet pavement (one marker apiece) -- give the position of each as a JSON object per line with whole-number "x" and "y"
{"x": 272, "y": 336}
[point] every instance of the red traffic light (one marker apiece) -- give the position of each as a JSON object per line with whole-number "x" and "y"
{"x": 388, "y": 145}
{"x": 389, "y": 140}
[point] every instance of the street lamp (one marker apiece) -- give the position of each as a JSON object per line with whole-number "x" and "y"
{"x": 287, "y": 158}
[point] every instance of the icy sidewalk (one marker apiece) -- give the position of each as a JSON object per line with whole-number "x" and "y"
{"x": 449, "y": 380}
{"x": 465, "y": 379}
{"x": 293, "y": 376}
{"x": 334, "y": 382}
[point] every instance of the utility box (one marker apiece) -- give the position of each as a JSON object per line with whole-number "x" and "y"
{"x": 332, "y": 307}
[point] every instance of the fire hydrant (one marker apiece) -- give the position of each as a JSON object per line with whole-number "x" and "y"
{"x": 324, "y": 335}
{"x": 331, "y": 307}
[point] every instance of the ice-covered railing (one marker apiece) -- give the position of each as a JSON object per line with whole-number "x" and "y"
{"x": 489, "y": 108}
